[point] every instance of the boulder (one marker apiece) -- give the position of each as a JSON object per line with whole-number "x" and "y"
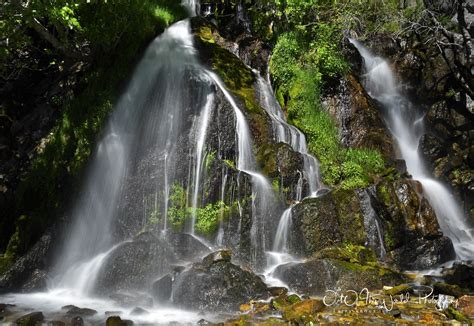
{"x": 31, "y": 319}
{"x": 326, "y": 221}
{"x": 26, "y": 267}
{"x": 216, "y": 285}
{"x": 358, "y": 117}
{"x": 133, "y": 265}
{"x": 461, "y": 274}
{"x": 117, "y": 321}
{"x": 316, "y": 276}
{"x": 421, "y": 254}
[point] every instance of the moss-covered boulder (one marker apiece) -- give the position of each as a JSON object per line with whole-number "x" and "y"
{"x": 316, "y": 276}
{"x": 332, "y": 219}
{"x": 31, "y": 319}
{"x": 411, "y": 232}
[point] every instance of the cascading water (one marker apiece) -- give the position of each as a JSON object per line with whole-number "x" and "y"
{"x": 141, "y": 122}
{"x": 407, "y": 128}
{"x": 283, "y": 132}
{"x": 262, "y": 192}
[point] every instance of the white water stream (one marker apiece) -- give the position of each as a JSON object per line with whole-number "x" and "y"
{"x": 406, "y": 128}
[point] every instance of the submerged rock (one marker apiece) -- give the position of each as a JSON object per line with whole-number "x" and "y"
{"x": 216, "y": 285}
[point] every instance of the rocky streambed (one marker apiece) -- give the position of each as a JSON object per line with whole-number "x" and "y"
{"x": 216, "y": 291}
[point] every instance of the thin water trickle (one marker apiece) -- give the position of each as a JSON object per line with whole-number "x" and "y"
{"x": 200, "y": 150}
{"x": 406, "y": 127}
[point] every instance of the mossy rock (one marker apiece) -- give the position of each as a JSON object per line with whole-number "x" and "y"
{"x": 303, "y": 311}
{"x": 332, "y": 220}
{"x": 239, "y": 81}
{"x": 31, "y": 319}
{"x": 399, "y": 289}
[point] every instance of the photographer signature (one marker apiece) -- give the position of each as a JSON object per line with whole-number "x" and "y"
{"x": 351, "y": 298}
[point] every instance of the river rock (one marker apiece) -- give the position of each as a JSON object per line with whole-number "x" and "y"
{"x": 161, "y": 289}
{"x": 217, "y": 285}
{"x": 30, "y": 319}
{"x": 316, "y": 276}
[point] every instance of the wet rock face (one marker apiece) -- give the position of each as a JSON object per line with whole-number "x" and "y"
{"x": 358, "y": 117}
{"x": 408, "y": 225}
{"x": 422, "y": 254}
{"x": 461, "y": 274}
{"x": 133, "y": 265}
{"x": 326, "y": 221}
{"x": 316, "y": 276}
{"x": 411, "y": 231}
{"x": 216, "y": 285}
{"x": 29, "y": 272}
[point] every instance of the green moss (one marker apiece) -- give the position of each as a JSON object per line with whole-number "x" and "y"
{"x": 300, "y": 68}
{"x": 239, "y": 80}
{"x": 349, "y": 253}
{"x": 451, "y": 312}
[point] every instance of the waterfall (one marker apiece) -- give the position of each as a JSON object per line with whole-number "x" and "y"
{"x": 192, "y": 6}
{"x": 280, "y": 244}
{"x": 150, "y": 117}
{"x": 262, "y": 191}
{"x": 406, "y": 128}
{"x": 200, "y": 147}
{"x": 286, "y": 133}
